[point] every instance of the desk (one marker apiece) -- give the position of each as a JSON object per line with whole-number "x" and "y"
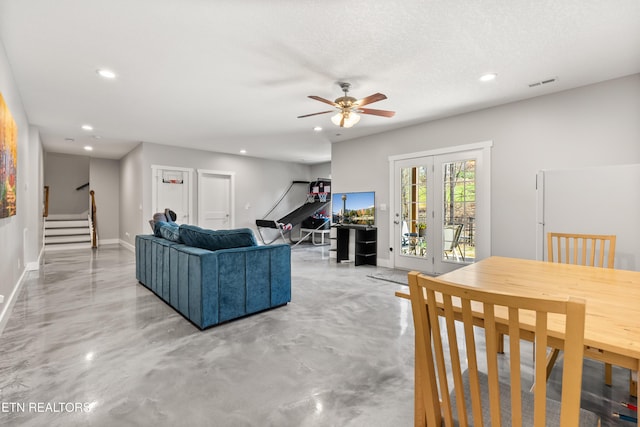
{"x": 612, "y": 322}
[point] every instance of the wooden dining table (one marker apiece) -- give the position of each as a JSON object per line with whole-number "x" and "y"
{"x": 612, "y": 322}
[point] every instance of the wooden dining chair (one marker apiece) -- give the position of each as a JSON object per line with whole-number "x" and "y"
{"x": 457, "y": 375}
{"x": 595, "y": 250}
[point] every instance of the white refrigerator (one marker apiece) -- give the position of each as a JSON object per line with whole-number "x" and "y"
{"x": 597, "y": 200}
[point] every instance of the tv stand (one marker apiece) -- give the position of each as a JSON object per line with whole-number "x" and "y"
{"x": 366, "y": 244}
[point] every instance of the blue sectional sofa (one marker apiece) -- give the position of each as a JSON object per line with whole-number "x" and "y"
{"x": 210, "y": 276}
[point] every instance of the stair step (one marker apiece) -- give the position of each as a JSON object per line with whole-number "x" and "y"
{"x": 66, "y": 231}
{"x": 66, "y": 246}
{"x": 57, "y": 217}
{"x": 67, "y": 239}
{"x": 66, "y": 223}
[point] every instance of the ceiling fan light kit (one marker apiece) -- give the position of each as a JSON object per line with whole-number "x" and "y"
{"x": 349, "y": 108}
{"x": 345, "y": 119}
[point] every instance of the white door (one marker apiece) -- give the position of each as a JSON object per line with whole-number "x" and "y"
{"x": 172, "y": 189}
{"x": 441, "y": 210}
{"x": 215, "y": 199}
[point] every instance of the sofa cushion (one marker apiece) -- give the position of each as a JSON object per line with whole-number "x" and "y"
{"x": 167, "y": 230}
{"x": 213, "y": 240}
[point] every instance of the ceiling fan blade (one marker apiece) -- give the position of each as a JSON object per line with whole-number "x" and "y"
{"x": 326, "y": 101}
{"x": 383, "y": 113}
{"x": 371, "y": 99}
{"x": 315, "y": 114}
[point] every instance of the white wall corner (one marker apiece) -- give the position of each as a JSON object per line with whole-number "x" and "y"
{"x": 32, "y": 266}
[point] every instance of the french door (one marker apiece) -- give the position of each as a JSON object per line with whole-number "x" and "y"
{"x": 440, "y": 218}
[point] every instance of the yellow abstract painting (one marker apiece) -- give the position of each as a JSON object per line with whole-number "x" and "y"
{"x": 8, "y": 161}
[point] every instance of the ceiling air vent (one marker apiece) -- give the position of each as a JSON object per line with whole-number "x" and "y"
{"x": 543, "y": 82}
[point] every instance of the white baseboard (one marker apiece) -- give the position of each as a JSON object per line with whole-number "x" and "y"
{"x": 127, "y": 245}
{"x": 109, "y": 241}
{"x": 7, "y": 306}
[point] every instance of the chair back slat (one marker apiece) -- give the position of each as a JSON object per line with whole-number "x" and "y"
{"x": 474, "y": 382}
{"x": 540, "y": 387}
{"x": 425, "y": 372}
{"x": 582, "y": 249}
{"x": 432, "y": 312}
{"x": 450, "y": 320}
{"x": 491, "y": 338}
{"x": 514, "y": 354}
{"x": 454, "y": 356}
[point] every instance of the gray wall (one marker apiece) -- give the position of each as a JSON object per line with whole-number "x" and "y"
{"x": 589, "y": 126}
{"x": 63, "y": 173}
{"x": 258, "y": 183}
{"x": 104, "y": 176}
{"x": 321, "y": 170}
{"x": 20, "y": 234}
{"x": 131, "y": 196}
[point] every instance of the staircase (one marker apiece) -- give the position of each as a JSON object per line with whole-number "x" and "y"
{"x": 67, "y": 231}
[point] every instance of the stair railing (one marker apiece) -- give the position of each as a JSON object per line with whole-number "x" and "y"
{"x": 45, "y": 211}
{"x": 93, "y": 219}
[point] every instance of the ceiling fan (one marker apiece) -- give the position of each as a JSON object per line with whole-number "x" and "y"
{"x": 349, "y": 108}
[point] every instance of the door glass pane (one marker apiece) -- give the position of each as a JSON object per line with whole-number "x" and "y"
{"x": 459, "y": 211}
{"x": 414, "y": 211}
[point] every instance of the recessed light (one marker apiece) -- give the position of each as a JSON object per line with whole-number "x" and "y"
{"x": 88, "y": 148}
{"x": 488, "y": 77}
{"x": 87, "y": 127}
{"x": 107, "y": 74}
{"x": 317, "y": 128}
{"x": 243, "y": 151}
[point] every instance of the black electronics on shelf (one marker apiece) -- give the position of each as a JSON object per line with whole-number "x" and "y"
{"x": 366, "y": 244}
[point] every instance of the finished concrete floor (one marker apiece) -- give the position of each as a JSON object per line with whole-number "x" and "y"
{"x": 87, "y": 345}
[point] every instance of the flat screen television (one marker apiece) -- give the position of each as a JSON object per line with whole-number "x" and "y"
{"x": 358, "y": 208}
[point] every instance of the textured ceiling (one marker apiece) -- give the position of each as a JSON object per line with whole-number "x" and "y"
{"x": 231, "y": 75}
